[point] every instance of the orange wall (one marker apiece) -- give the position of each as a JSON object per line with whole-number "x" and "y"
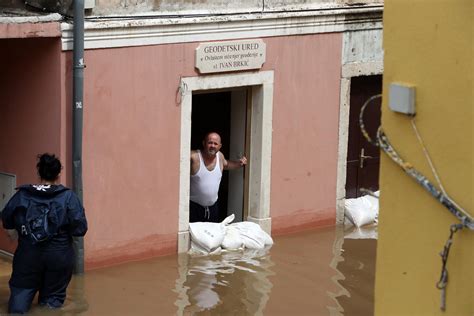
{"x": 132, "y": 142}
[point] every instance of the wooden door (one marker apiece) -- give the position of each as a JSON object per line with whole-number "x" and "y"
{"x": 363, "y": 159}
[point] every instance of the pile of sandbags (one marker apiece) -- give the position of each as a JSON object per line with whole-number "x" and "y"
{"x": 213, "y": 237}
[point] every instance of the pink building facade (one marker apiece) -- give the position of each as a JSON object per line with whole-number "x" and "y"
{"x": 142, "y": 91}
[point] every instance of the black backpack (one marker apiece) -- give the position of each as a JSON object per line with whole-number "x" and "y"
{"x": 42, "y": 221}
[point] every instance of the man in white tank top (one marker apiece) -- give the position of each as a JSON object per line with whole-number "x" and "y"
{"x": 206, "y": 173}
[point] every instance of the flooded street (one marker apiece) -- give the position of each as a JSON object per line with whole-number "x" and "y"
{"x": 316, "y": 272}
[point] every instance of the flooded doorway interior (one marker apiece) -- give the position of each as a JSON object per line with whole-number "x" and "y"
{"x": 224, "y": 112}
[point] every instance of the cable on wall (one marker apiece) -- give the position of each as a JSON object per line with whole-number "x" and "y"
{"x": 465, "y": 219}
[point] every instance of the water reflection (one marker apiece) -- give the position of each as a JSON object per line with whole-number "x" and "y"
{"x": 358, "y": 268}
{"x": 231, "y": 282}
{"x": 317, "y": 272}
{"x": 337, "y": 260}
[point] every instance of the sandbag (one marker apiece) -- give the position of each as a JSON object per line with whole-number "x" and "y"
{"x": 232, "y": 239}
{"x": 209, "y": 236}
{"x": 362, "y": 210}
{"x": 374, "y": 201}
{"x": 199, "y": 251}
{"x": 252, "y": 235}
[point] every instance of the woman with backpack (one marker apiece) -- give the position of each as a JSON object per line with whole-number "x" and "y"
{"x": 45, "y": 217}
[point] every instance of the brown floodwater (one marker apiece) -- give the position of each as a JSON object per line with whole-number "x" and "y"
{"x": 315, "y": 272}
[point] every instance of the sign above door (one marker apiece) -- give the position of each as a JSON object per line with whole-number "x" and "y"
{"x": 230, "y": 56}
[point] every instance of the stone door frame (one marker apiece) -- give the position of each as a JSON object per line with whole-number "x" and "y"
{"x": 261, "y": 84}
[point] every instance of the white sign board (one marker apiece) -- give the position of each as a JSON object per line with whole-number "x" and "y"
{"x": 230, "y": 56}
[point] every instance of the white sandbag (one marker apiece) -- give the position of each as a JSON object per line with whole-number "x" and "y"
{"x": 361, "y": 211}
{"x": 229, "y": 219}
{"x": 252, "y": 235}
{"x": 267, "y": 238}
{"x": 197, "y": 250}
{"x": 232, "y": 239}
{"x": 347, "y": 222}
{"x": 209, "y": 236}
{"x": 374, "y": 200}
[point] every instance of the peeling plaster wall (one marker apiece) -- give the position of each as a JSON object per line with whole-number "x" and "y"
{"x": 218, "y": 6}
{"x": 362, "y": 46}
{"x": 107, "y": 7}
{"x": 293, "y": 5}
{"x": 167, "y": 7}
{"x": 104, "y": 7}
{"x": 208, "y": 5}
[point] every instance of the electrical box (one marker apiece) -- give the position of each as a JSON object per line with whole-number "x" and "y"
{"x": 7, "y": 188}
{"x": 89, "y": 4}
{"x": 402, "y": 98}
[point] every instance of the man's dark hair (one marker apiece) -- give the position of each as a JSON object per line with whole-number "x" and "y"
{"x": 48, "y": 166}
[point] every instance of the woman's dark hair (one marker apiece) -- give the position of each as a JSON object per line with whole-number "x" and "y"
{"x": 48, "y": 167}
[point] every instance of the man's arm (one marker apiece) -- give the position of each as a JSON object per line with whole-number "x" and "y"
{"x": 194, "y": 161}
{"x": 233, "y": 164}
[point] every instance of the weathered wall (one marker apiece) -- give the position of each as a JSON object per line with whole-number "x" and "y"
{"x": 217, "y": 6}
{"x": 434, "y": 54}
{"x": 104, "y": 7}
{"x": 132, "y": 134}
{"x": 212, "y": 6}
{"x": 275, "y": 5}
{"x": 362, "y": 47}
{"x": 166, "y": 7}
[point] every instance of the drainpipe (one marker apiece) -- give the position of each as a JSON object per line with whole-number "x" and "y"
{"x": 78, "y": 97}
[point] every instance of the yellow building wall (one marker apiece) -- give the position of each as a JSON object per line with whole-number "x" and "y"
{"x": 428, "y": 44}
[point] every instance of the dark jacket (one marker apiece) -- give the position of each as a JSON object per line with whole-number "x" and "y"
{"x": 72, "y": 219}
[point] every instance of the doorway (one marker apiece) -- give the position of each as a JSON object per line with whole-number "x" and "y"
{"x": 224, "y": 112}
{"x": 258, "y": 140}
{"x": 363, "y": 158}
